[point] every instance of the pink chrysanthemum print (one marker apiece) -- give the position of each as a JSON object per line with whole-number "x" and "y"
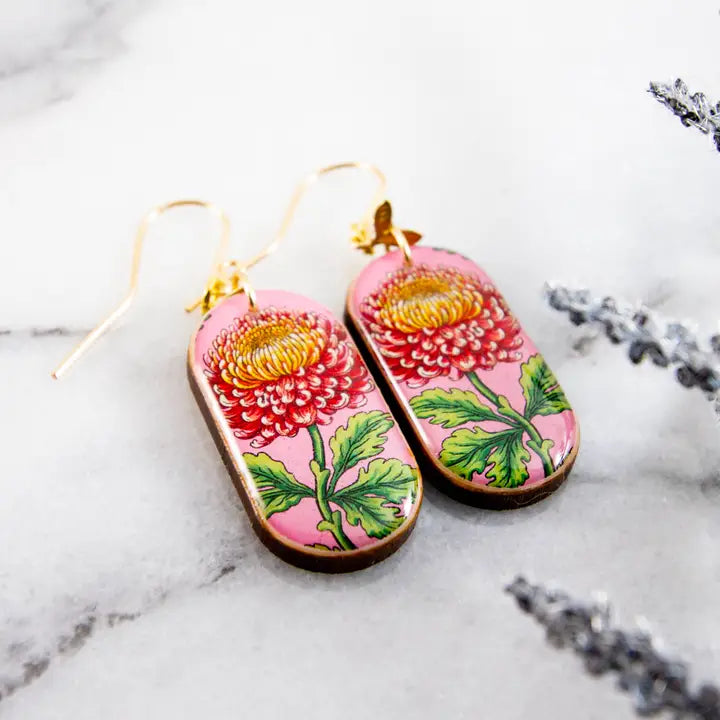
{"x": 430, "y": 322}
{"x": 277, "y": 371}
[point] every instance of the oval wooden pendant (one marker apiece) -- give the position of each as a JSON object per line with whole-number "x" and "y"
{"x": 322, "y": 468}
{"x": 486, "y": 413}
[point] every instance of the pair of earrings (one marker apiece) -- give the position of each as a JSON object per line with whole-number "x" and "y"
{"x": 324, "y": 470}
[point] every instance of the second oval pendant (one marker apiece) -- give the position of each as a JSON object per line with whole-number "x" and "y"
{"x": 486, "y": 413}
{"x": 322, "y": 468}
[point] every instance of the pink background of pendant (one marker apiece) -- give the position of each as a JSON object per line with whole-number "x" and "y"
{"x": 503, "y": 378}
{"x": 298, "y": 524}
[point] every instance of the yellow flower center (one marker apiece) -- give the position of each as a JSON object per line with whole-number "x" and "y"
{"x": 267, "y": 352}
{"x": 428, "y": 302}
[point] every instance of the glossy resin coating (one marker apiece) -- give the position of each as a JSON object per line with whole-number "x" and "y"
{"x": 324, "y": 472}
{"x": 485, "y": 410}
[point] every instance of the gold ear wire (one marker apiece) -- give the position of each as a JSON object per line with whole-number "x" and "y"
{"x": 122, "y": 308}
{"x": 362, "y": 230}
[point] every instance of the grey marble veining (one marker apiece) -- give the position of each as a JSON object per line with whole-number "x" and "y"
{"x": 46, "y": 50}
{"x": 131, "y": 584}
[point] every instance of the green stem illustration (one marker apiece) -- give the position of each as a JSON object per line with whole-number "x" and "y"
{"x": 332, "y": 521}
{"x": 482, "y": 388}
{"x": 504, "y": 408}
{"x": 332, "y": 481}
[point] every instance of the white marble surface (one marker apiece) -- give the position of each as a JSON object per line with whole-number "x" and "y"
{"x": 131, "y": 585}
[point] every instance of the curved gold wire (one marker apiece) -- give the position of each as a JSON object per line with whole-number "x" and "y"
{"x": 365, "y": 223}
{"x": 125, "y": 303}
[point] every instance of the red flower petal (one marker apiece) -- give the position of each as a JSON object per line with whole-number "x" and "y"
{"x": 430, "y": 322}
{"x": 277, "y": 371}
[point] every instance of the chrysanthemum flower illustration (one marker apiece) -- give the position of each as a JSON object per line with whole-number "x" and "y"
{"x": 430, "y": 322}
{"x": 277, "y": 371}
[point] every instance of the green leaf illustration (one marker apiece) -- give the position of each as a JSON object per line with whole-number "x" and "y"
{"x": 543, "y": 394}
{"x": 467, "y": 452}
{"x": 320, "y": 546}
{"x": 450, "y": 408}
{"x": 370, "y": 501}
{"x": 362, "y": 438}
{"x": 509, "y": 460}
{"x": 278, "y": 489}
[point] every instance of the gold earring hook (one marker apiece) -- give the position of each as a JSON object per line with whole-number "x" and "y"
{"x": 140, "y": 235}
{"x": 362, "y": 229}
{"x": 230, "y": 278}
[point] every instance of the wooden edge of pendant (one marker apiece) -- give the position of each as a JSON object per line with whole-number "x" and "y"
{"x": 306, "y": 558}
{"x": 491, "y": 498}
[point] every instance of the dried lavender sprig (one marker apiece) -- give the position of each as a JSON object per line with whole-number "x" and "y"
{"x": 665, "y": 342}
{"x": 656, "y": 683}
{"x": 693, "y": 110}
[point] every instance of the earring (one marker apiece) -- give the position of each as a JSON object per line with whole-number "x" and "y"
{"x": 323, "y": 470}
{"x": 484, "y": 412}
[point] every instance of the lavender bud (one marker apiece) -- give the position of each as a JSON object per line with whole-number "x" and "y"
{"x": 654, "y": 682}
